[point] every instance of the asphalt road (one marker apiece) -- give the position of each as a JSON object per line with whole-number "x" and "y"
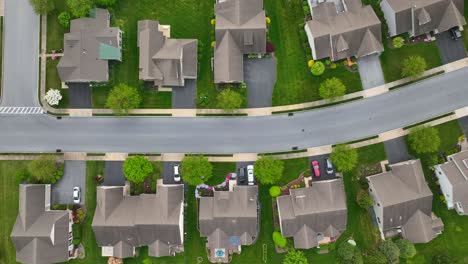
{"x": 341, "y": 123}
{"x": 21, "y": 55}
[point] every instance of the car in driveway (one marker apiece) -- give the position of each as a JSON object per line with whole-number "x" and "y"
{"x": 329, "y": 166}
{"x": 176, "y": 173}
{"x": 76, "y": 195}
{"x": 241, "y": 175}
{"x": 250, "y": 174}
{"x": 455, "y": 33}
{"x": 316, "y": 168}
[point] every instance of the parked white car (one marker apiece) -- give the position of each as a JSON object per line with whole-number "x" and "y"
{"x": 250, "y": 175}
{"x": 76, "y": 195}
{"x": 176, "y": 173}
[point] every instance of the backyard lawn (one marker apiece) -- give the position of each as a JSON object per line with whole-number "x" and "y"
{"x": 392, "y": 58}
{"x": 294, "y": 82}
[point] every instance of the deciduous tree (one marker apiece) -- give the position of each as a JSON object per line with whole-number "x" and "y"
{"x": 64, "y": 19}
{"x": 42, "y": 7}
{"x": 407, "y": 249}
{"x": 344, "y": 158}
{"x": 295, "y": 257}
{"x": 80, "y": 8}
{"x": 196, "y": 169}
{"x": 413, "y": 66}
{"x": 123, "y": 98}
{"x": 390, "y": 250}
{"x": 43, "y": 169}
{"x": 424, "y": 139}
{"x": 268, "y": 170}
{"x": 137, "y": 168}
{"x": 364, "y": 200}
{"x": 105, "y": 3}
{"x": 332, "y": 88}
{"x": 229, "y": 100}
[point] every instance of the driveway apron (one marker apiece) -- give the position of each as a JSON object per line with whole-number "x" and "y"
{"x": 370, "y": 71}
{"x": 74, "y": 176}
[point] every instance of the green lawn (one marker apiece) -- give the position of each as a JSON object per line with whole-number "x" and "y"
{"x": 392, "y": 58}
{"x": 295, "y": 83}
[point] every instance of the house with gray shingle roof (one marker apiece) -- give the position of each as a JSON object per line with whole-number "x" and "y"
{"x": 418, "y": 17}
{"x": 229, "y": 220}
{"x": 41, "y": 235}
{"x": 123, "y": 223}
{"x": 313, "y": 215}
{"x": 453, "y": 180}
{"x": 89, "y": 47}
{"x": 356, "y": 32}
{"x": 163, "y": 60}
{"x": 403, "y": 203}
{"x": 240, "y": 29}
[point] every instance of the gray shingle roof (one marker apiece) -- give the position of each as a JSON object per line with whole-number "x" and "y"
{"x": 306, "y": 212}
{"x": 456, "y": 170}
{"x": 40, "y": 236}
{"x": 240, "y": 29}
{"x": 404, "y": 195}
{"x": 82, "y": 61}
{"x": 165, "y": 61}
{"x": 229, "y": 214}
{"x": 125, "y": 221}
{"x": 355, "y": 32}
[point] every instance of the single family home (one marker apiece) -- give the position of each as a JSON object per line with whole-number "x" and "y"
{"x": 418, "y": 17}
{"x": 403, "y": 203}
{"x": 240, "y": 29}
{"x": 314, "y": 215}
{"x": 163, "y": 60}
{"x": 453, "y": 180}
{"x": 89, "y": 47}
{"x": 123, "y": 223}
{"x": 41, "y": 235}
{"x": 229, "y": 220}
{"x": 356, "y": 32}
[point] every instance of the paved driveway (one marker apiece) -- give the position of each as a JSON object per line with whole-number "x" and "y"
{"x": 168, "y": 172}
{"x": 450, "y": 50}
{"x": 396, "y": 150}
{"x": 74, "y": 175}
{"x": 20, "y": 55}
{"x": 184, "y": 97}
{"x": 464, "y": 124}
{"x": 323, "y": 171}
{"x": 370, "y": 71}
{"x": 79, "y": 95}
{"x": 260, "y": 77}
{"x": 243, "y": 165}
{"x": 113, "y": 173}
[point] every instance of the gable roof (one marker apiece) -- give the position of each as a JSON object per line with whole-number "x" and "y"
{"x": 39, "y": 235}
{"x": 88, "y": 47}
{"x": 240, "y": 29}
{"x": 305, "y": 212}
{"x": 165, "y": 61}
{"x": 456, "y": 170}
{"x": 124, "y": 222}
{"x": 229, "y": 214}
{"x": 355, "y": 32}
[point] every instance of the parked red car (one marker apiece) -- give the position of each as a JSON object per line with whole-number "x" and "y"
{"x": 315, "y": 166}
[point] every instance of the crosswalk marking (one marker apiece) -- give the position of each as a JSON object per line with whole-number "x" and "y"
{"x": 21, "y": 110}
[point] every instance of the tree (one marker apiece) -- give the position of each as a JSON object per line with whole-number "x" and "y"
{"x": 53, "y": 97}
{"x": 229, "y": 100}
{"x": 275, "y": 191}
{"x": 137, "y": 168}
{"x": 196, "y": 169}
{"x": 442, "y": 258}
{"x": 407, "y": 249}
{"x": 348, "y": 254}
{"x": 122, "y": 98}
{"x": 80, "y": 8}
{"x": 364, "y": 200}
{"x": 413, "y": 66}
{"x": 318, "y": 68}
{"x": 424, "y": 139}
{"x": 105, "y": 3}
{"x": 376, "y": 257}
{"x": 42, "y": 7}
{"x": 344, "y": 157}
{"x": 268, "y": 170}
{"x": 390, "y": 250}
{"x": 295, "y": 257}
{"x": 43, "y": 169}
{"x": 398, "y": 42}
{"x": 64, "y": 19}
{"x": 279, "y": 240}
{"x": 332, "y": 88}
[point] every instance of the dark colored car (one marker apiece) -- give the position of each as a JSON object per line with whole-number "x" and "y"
{"x": 455, "y": 33}
{"x": 241, "y": 175}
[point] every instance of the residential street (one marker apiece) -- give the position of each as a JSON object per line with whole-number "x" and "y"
{"x": 20, "y": 55}
{"x": 341, "y": 123}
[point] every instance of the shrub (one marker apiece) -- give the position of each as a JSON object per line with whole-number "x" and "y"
{"x": 442, "y": 258}
{"x": 268, "y": 20}
{"x": 376, "y": 257}
{"x": 64, "y": 19}
{"x": 333, "y": 66}
{"x": 390, "y": 250}
{"x": 279, "y": 240}
{"x": 413, "y": 66}
{"x": 306, "y": 9}
{"x": 348, "y": 254}
{"x": 275, "y": 191}
{"x": 332, "y": 88}
{"x": 295, "y": 257}
{"x": 105, "y": 3}
{"x": 213, "y": 44}
{"x": 407, "y": 249}
{"x": 310, "y": 63}
{"x": 327, "y": 62}
{"x": 318, "y": 68}
{"x": 398, "y": 42}
{"x": 43, "y": 169}
{"x": 213, "y": 21}
{"x": 364, "y": 200}
{"x": 229, "y": 100}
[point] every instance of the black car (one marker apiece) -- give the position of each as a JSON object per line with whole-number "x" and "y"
{"x": 455, "y": 33}
{"x": 241, "y": 175}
